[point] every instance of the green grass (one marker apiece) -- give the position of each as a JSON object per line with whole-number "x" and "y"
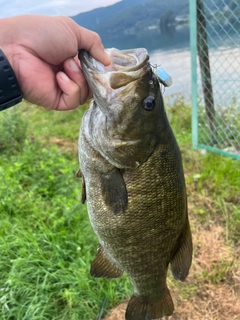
{"x": 46, "y": 241}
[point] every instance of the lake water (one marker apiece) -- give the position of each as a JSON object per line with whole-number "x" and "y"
{"x": 172, "y": 52}
{"x": 177, "y": 63}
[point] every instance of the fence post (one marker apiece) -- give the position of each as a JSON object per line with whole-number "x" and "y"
{"x": 202, "y": 46}
{"x": 193, "y": 47}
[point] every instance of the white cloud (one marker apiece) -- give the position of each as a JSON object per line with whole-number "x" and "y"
{"x": 50, "y": 7}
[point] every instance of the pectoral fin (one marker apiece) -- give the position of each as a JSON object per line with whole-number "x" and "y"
{"x": 79, "y": 174}
{"x": 114, "y": 191}
{"x": 83, "y": 197}
{"x": 181, "y": 261}
{"x": 102, "y": 267}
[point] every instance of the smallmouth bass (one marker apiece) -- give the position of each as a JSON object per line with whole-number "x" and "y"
{"x": 133, "y": 181}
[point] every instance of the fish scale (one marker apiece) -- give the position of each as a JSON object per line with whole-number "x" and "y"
{"x": 134, "y": 182}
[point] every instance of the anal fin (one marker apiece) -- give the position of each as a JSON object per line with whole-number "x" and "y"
{"x": 181, "y": 261}
{"x": 142, "y": 308}
{"x": 102, "y": 267}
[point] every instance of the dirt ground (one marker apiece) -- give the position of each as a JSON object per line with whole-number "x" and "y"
{"x": 212, "y": 289}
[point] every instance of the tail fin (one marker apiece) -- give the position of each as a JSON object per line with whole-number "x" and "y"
{"x": 141, "y": 308}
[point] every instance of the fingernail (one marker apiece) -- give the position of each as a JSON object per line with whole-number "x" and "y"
{"x": 73, "y": 65}
{"x": 64, "y": 76}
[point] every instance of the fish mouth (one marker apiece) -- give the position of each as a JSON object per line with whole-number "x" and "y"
{"x": 126, "y": 66}
{"x": 125, "y": 60}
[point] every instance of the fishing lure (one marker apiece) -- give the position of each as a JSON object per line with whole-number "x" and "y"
{"x": 163, "y": 76}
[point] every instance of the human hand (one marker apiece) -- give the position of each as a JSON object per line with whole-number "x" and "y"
{"x": 43, "y": 53}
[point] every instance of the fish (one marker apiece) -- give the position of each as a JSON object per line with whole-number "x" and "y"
{"x": 133, "y": 181}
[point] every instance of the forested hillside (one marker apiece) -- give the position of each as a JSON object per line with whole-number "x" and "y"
{"x": 128, "y": 16}
{"x": 134, "y": 16}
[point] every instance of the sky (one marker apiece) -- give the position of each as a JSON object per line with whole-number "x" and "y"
{"x": 9, "y": 8}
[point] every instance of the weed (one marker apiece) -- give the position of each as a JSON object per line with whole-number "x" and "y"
{"x": 13, "y": 129}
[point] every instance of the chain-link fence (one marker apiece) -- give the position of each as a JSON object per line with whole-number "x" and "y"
{"x": 215, "y": 54}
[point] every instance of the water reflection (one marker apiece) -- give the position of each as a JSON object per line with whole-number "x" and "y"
{"x": 150, "y": 39}
{"x": 168, "y": 31}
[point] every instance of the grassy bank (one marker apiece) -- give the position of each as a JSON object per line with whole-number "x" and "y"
{"x": 46, "y": 241}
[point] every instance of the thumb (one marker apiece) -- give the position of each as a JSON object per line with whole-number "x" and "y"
{"x": 91, "y": 42}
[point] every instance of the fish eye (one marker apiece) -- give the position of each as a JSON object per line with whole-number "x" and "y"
{"x": 149, "y": 103}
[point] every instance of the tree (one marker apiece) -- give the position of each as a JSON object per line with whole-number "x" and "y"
{"x": 167, "y": 24}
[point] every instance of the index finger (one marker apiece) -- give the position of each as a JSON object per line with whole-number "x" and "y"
{"x": 91, "y": 42}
